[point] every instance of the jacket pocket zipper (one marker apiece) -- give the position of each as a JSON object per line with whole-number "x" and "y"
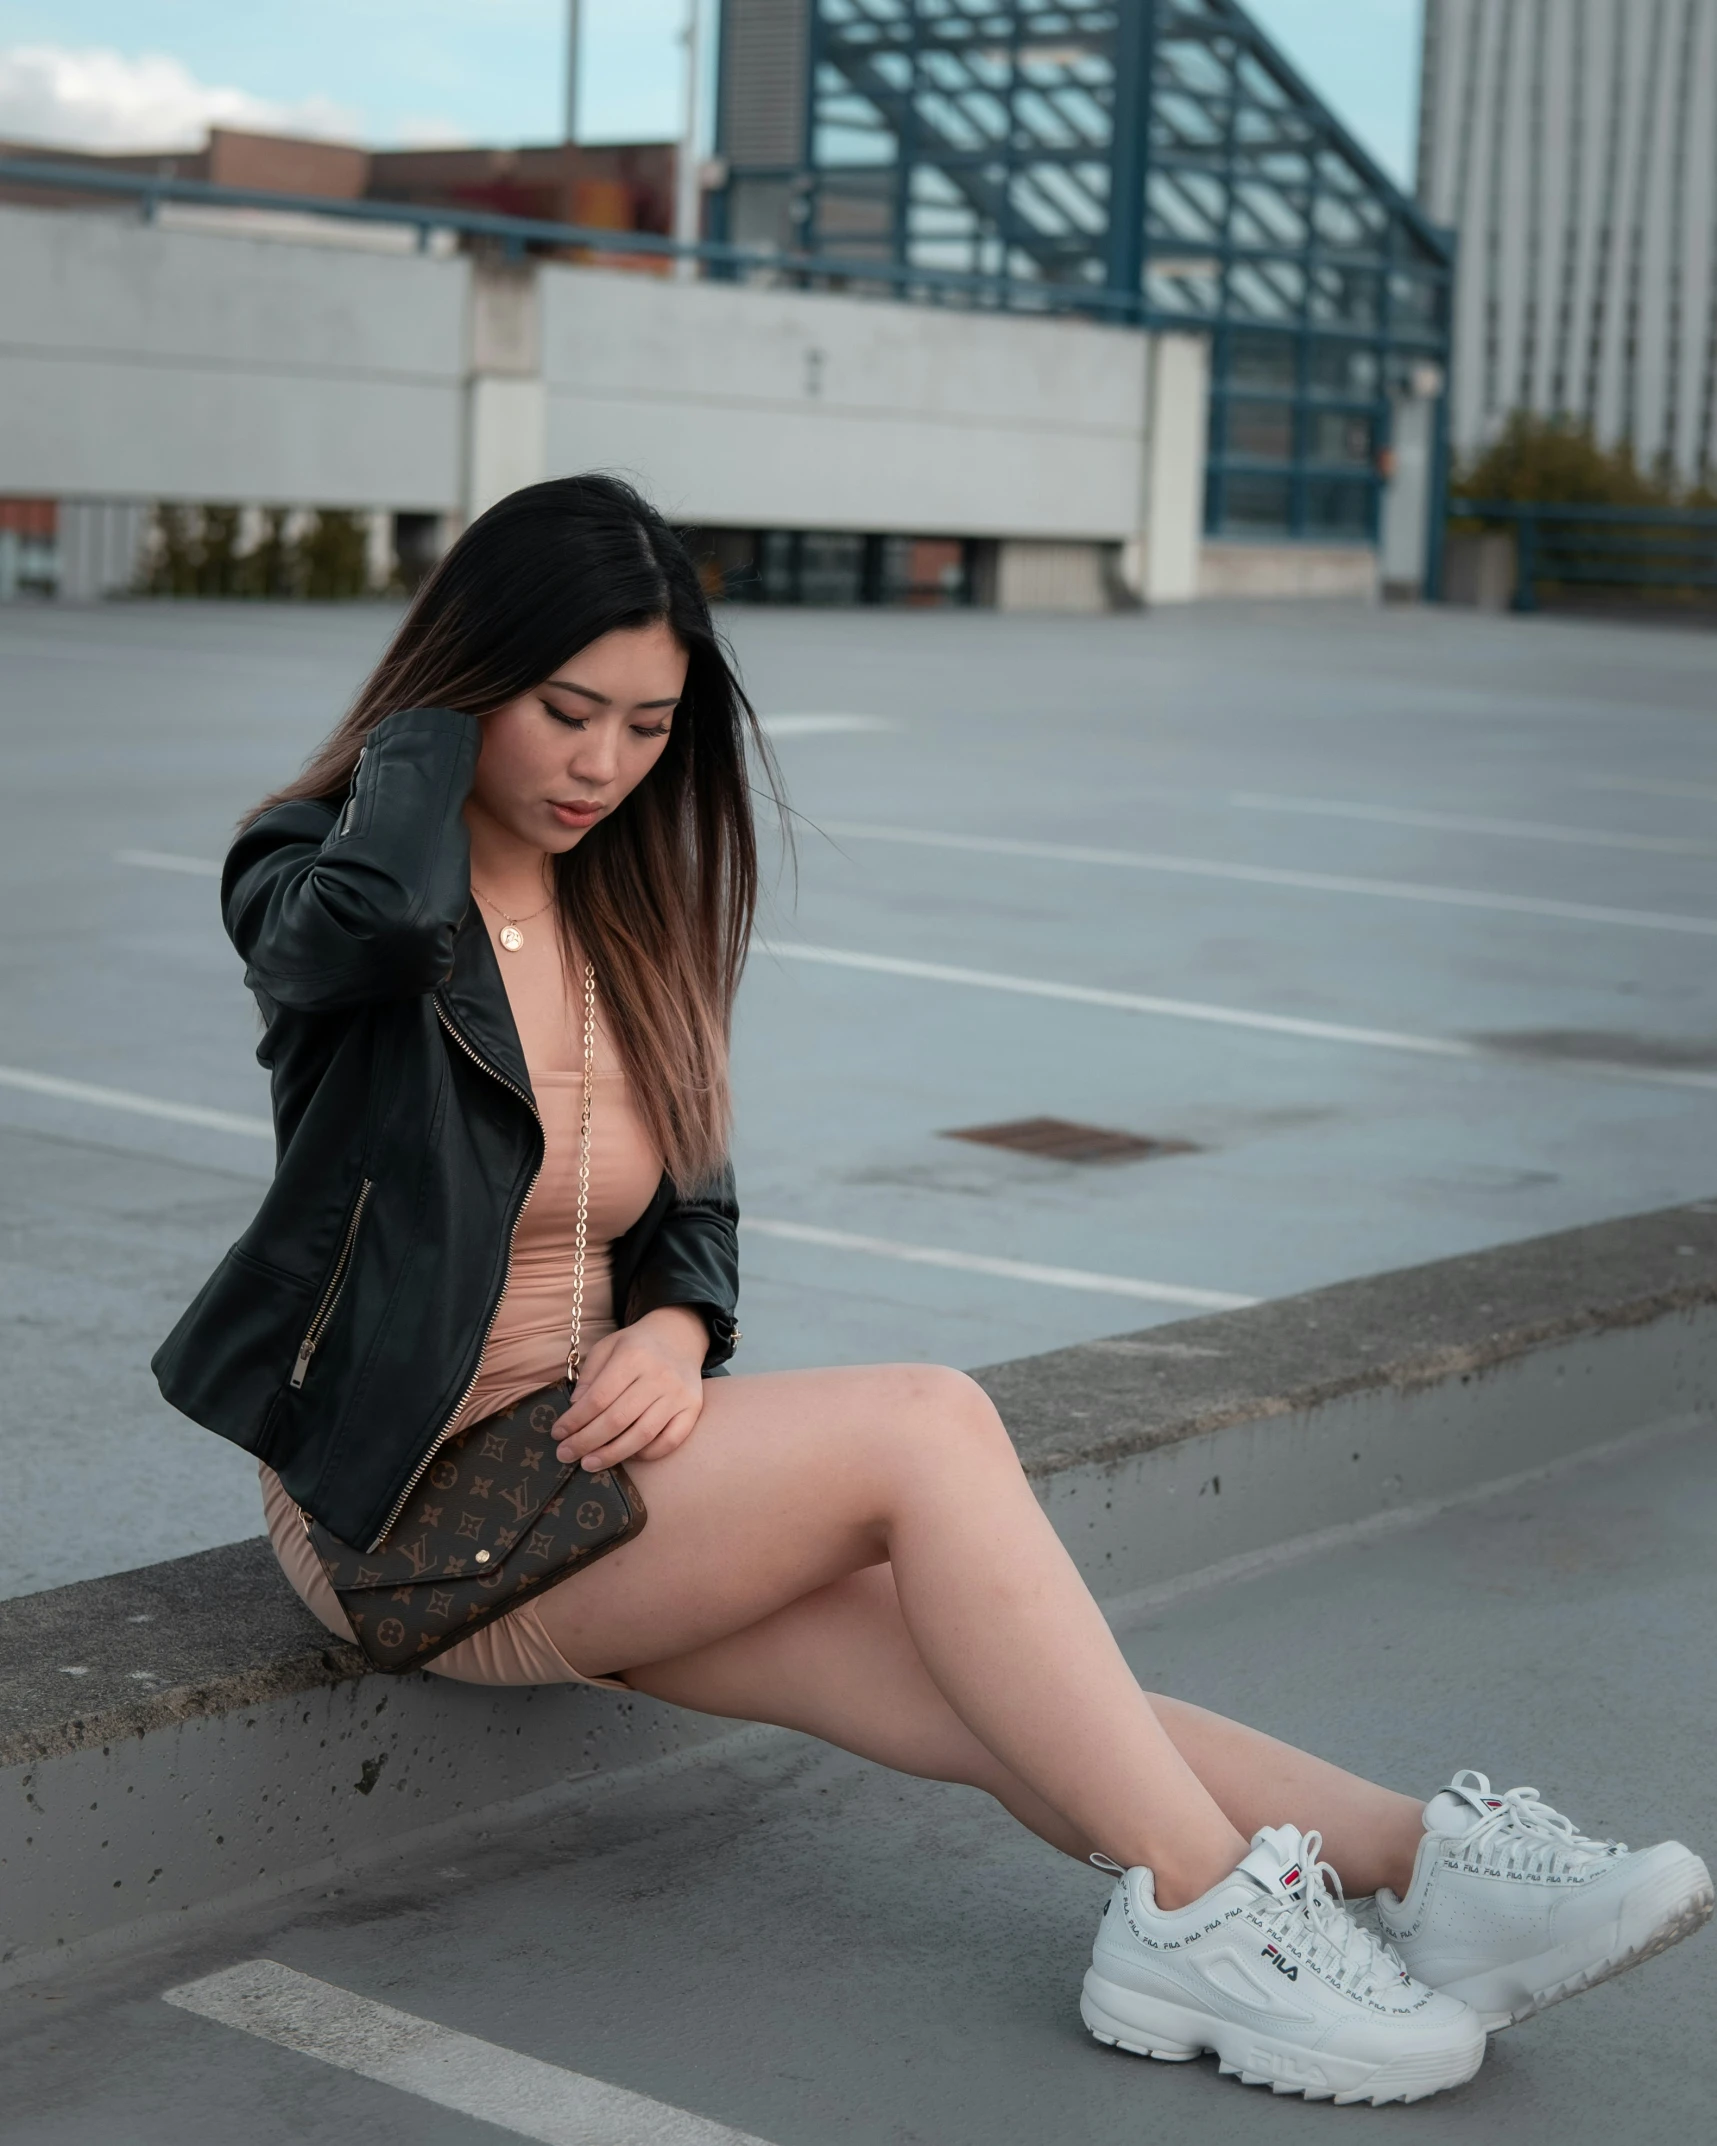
{"x": 331, "y": 1295}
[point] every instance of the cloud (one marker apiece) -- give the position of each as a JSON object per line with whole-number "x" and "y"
{"x": 97, "y": 98}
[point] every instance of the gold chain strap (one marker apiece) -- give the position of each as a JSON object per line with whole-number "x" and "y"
{"x": 574, "y": 1353}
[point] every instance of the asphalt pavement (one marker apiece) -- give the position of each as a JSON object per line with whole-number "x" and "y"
{"x": 1395, "y": 928}
{"x": 802, "y": 1948}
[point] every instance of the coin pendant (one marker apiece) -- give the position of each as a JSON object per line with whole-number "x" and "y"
{"x": 511, "y": 937}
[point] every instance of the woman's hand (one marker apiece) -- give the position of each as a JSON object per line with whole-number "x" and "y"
{"x": 640, "y": 1391}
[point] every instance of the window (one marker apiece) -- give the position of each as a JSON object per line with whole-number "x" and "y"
{"x": 1261, "y": 361}
{"x": 1250, "y": 503}
{"x": 979, "y": 135}
{"x": 1345, "y": 369}
{"x": 1340, "y": 436}
{"x": 1338, "y": 508}
{"x": 1344, "y": 294}
{"x": 1261, "y": 430}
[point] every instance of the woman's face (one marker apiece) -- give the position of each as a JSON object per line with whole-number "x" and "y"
{"x": 564, "y": 755}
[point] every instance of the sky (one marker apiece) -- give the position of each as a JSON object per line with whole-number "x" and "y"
{"x": 155, "y": 73}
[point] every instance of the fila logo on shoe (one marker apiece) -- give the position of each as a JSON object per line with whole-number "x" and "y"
{"x": 1281, "y": 1965}
{"x": 1292, "y": 2070}
{"x": 1290, "y": 1878}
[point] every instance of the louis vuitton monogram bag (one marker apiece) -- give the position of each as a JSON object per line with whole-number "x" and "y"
{"x": 495, "y": 1519}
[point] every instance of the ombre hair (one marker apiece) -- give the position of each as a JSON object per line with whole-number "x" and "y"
{"x": 661, "y": 894}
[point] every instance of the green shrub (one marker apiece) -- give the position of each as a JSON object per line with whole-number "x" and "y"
{"x": 271, "y": 566}
{"x": 1557, "y": 461}
{"x": 197, "y": 551}
{"x": 176, "y": 553}
{"x": 334, "y": 555}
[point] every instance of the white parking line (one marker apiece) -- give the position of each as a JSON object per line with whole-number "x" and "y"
{"x": 144, "y": 1106}
{"x": 1646, "y": 785}
{"x": 1463, "y": 823}
{"x": 1012, "y": 1270}
{"x": 503, "y": 2087}
{"x": 1270, "y": 876}
{"x": 924, "y": 1255}
{"x": 1278, "y": 1024}
{"x": 162, "y": 860}
{"x": 822, "y": 726}
{"x": 1178, "y": 1009}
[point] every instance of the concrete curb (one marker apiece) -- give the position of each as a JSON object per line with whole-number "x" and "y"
{"x": 184, "y": 1739}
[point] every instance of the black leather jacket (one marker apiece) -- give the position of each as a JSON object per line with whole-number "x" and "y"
{"x": 341, "y": 1333}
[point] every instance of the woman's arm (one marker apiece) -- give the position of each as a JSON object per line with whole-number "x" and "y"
{"x": 328, "y": 915}
{"x": 689, "y": 1258}
{"x": 641, "y": 1391}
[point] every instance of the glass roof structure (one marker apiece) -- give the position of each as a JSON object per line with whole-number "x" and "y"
{"x": 1155, "y": 162}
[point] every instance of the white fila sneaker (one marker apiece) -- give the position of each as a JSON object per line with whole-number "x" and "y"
{"x": 1270, "y": 1972}
{"x": 1511, "y": 1909}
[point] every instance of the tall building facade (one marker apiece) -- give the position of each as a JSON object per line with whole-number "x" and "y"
{"x": 1573, "y": 146}
{"x": 1149, "y": 161}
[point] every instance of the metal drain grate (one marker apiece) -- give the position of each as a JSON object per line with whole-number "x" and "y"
{"x": 1060, "y": 1140}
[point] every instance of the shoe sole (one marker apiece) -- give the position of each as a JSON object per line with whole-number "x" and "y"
{"x": 1687, "y": 1912}
{"x": 1121, "y": 2018}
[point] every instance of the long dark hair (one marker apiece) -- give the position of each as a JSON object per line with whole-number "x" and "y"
{"x": 660, "y": 896}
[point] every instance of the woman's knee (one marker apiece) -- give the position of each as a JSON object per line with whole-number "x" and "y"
{"x": 936, "y": 1409}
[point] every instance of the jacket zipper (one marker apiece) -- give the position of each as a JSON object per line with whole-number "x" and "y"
{"x": 351, "y": 804}
{"x": 331, "y": 1295}
{"x": 446, "y": 1430}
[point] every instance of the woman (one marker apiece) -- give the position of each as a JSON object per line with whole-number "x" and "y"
{"x": 548, "y": 769}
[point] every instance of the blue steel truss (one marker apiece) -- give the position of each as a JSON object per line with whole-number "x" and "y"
{"x": 1162, "y": 162}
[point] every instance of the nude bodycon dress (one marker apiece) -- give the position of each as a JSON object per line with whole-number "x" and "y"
{"x": 527, "y": 1344}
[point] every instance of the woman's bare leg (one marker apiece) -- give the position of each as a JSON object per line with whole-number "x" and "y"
{"x": 795, "y": 1481}
{"x": 840, "y": 1664}
{"x": 1371, "y": 1834}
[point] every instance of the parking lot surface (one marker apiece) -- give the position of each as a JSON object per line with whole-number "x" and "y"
{"x": 1395, "y": 928}
{"x": 813, "y": 1952}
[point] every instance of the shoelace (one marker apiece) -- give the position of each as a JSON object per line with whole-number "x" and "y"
{"x": 1525, "y": 1834}
{"x": 1319, "y": 1928}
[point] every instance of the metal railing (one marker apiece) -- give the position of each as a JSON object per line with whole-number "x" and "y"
{"x": 1633, "y": 548}
{"x": 517, "y": 236}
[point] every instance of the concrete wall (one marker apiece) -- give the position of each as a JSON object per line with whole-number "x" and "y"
{"x": 796, "y": 410}
{"x": 216, "y": 1748}
{"x": 1407, "y": 497}
{"x": 1053, "y": 577}
{"x": 1163, "y": 565}
{"x": 1288, "y": 570}
{"x": 1480, "y": 571}
{"x": 144, "y": 362}
{"x": 140, "y": 362}
{"x": 181, "y": 365}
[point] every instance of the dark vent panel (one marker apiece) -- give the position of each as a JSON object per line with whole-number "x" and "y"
{"x": 1060, "y": 1140}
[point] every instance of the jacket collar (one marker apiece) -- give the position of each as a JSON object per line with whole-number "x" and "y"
{"x": 476, "y": 998}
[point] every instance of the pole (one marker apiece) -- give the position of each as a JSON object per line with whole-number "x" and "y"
{"x": 1129, "y": 152}
{"x": 688, "y": 190}
{"x": 572, "y": 41}
{"x": 1437, "y": 503}
{"x": 1526, "y": 562}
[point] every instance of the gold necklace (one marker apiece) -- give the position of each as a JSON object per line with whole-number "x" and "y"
{"x": 509, "y": 934}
